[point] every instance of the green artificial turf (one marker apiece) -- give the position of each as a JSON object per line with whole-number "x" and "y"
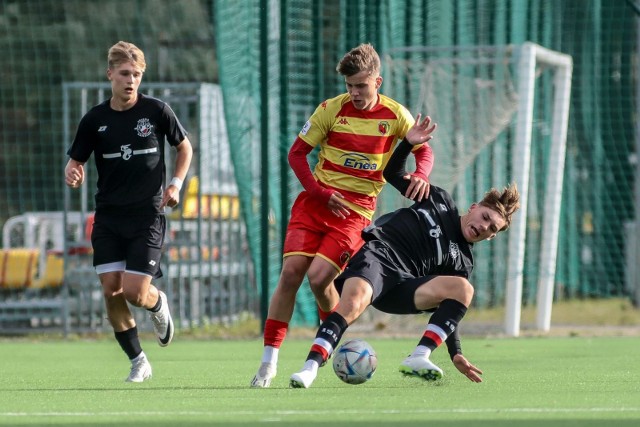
{"x": 573, "y": 381}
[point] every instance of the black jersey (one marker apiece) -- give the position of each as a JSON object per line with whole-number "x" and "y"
{"x": 426, "y": 237}
{"x": 128, "y": 148}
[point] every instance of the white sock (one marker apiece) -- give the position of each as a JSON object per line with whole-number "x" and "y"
{"x": 270, "y": 354}
{"x": 139, "y": 357}
{"x": 421, "y": 351}
{"x": 311, "y": 365}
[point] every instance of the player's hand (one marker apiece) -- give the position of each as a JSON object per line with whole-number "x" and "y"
{"x": 418, "y": 189}
{"x": 337, "y": 207}
{"x": 467, "y": 369}
{"x": 74, "y": 176}
{"x": 421, "y": 131}
{"x": 171, "y": 197}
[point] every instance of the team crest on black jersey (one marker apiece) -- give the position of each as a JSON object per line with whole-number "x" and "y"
{"x": 144, "y": 128}
{"x": 454, "y": 250}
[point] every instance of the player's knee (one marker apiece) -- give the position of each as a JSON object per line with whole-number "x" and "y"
{"x": 319, "y": 284}
{"x": 135, "y": 297}
{"x": 463, "y": 291}
{"x": 292, "y": 274}
{"x": 448, "y": 287}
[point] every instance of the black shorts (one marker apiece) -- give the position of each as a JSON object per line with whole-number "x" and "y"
{"x": 393, "y": 285}
{"x": 137, "y": 240}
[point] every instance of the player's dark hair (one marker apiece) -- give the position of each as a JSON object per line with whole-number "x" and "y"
{"x": 505, "y": 202}
{"x": 361, "y": 58}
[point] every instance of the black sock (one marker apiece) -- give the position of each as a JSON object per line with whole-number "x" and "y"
{"x": 329, "y": 332}
{"x": 129, "y": 342}
{"x": 445, "y": 319}
{"x": 156, "y": 308}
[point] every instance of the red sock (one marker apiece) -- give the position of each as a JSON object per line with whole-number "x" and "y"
{"x": 324, "y": 314}
{"x": 274, "y": 332}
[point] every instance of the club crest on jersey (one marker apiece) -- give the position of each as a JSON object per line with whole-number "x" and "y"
{"x": 383, "y": 127}
{"x": 358, "y": 161}
{"x": 144, "y": 128}
{"x": 454, "y": 250}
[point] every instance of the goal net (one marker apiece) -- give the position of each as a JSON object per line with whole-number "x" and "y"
{"x": 490, "y": 102}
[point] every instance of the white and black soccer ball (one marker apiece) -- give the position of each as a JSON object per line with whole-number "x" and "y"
{"x": 355, "y": 362}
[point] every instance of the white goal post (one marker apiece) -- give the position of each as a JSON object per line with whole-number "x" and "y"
{"x": 482, "y": 98}
{"x": 531, "y": 55}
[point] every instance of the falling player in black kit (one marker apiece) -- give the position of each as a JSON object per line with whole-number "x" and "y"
{"x": 126, "y": 135}
{"x": 416, "y": 259}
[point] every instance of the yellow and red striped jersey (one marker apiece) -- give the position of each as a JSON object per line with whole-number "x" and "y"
{"x": 355, "y": 146}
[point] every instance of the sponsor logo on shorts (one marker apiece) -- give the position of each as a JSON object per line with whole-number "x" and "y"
{"x": 345, "y": 257}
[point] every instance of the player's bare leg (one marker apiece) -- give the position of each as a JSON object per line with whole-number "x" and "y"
{"x": 124, "y": 326}
{"x": 280, "y": 311}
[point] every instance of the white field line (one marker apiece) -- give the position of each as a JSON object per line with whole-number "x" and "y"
{"x": 263, "y": 413}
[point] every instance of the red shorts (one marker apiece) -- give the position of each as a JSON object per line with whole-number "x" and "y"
{"x": 314, "y": 230}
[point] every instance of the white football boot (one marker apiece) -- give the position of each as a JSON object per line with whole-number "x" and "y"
{"x": 162, "y": 322}
{"x": 265, "y": 374}
{"x": 140, "y": 369}
{"x": 306, "y": 377}
{"x": 421, "y": 367}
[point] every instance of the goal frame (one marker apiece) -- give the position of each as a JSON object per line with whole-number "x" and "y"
{"x": 531, "y": 55}
{"x": 526, "y": 59}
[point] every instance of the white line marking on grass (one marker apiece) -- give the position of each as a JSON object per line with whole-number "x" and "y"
{"x": 321, "y": 412}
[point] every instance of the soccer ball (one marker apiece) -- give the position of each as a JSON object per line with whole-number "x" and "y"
{"x": 354, "y": 362}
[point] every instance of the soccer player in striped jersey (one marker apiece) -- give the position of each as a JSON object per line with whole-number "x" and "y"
{"x": 415, "y": 259}
{"x": 356, "y": 132}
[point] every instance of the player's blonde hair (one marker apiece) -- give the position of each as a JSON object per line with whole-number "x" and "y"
{"x": 123, "y": 52}
{"x": 505, "y": 202}
{"x": 361, "y": 58}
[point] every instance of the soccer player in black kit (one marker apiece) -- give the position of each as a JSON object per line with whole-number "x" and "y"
{"x": 126, "y": 135}
{"x": 416, "y": 259}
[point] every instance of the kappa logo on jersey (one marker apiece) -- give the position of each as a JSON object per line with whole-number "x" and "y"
{"x": 102, "y": 128}
{"x": 454, "y": 250}
{"x": 383, "y": 127}
{"x": 127, "y": 152}
{"x": 343, "y": 121}
{"x": 358, "y": 161}
{"x": 324, "y": 105}
{"x": 144, "y": 128}
{"x": 305, "y": 128}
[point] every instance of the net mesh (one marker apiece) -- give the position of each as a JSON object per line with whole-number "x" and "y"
{"x": 470, "y": 93}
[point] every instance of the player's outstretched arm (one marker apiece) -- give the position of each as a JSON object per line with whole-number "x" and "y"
{"x": 420, "y": 134}
{"x": 412, "y": 186}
